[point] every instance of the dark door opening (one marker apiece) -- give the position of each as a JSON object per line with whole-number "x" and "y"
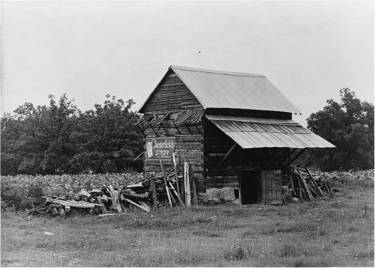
{"x": 250, "y": 187}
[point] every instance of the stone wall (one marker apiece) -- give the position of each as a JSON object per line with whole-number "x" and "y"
{"x": 66, "y": 184}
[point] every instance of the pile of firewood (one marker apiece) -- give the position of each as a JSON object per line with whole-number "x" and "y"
{"x": 303, "y": 186}
{"x": 96, "y": 201}
{"x": 159, "y": 190}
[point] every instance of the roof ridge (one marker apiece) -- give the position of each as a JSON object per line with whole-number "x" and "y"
{"x": 194, "y": 69}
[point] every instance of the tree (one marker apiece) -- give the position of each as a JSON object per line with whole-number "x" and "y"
{"x": 349, "y": 125}
{"x": 107, "y": 138}
{"x": 59, "y": 138}
{"x": 36, "y": 139}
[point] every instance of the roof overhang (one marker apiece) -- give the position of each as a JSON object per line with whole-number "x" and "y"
{"x": 250, "y": 133}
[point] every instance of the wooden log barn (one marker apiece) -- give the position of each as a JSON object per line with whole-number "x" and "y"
{"x": 234, "y": 129}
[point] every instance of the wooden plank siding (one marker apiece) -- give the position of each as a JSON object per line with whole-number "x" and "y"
{"x": 188, "y": 147}
{"x": 171, "y": 95}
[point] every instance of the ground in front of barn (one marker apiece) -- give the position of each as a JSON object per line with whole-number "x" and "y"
{"x": 333, "y": 232}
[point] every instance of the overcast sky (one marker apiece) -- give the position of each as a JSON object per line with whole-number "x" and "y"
{"x": 308, "y": 49}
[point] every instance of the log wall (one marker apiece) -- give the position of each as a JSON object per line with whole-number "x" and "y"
{"x": 171, "y": 95}
{"x": 188, "y": 147}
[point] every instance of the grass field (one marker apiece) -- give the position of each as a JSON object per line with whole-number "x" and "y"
{"x": 335, "y": 232}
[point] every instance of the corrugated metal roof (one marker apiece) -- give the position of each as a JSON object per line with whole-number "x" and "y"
{"x": 260, "y": 133}
{"x": 218, "y": 89}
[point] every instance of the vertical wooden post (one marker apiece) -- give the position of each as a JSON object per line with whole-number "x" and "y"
{"x": 195, "y": 196}
{"x": 165, "y": 183}
{"x": 175, "y": 171}
{"x": 187, "y": 184}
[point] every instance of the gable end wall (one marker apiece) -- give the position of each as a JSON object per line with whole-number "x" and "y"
{"x": 170, "y": 95}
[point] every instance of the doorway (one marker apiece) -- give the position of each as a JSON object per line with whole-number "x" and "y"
{"x": 250, "y": 187}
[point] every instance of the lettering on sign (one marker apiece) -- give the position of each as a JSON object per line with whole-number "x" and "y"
{"x": 160, "y": 147}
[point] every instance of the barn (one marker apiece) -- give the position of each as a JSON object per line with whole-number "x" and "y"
{"x": 233, "y": 129}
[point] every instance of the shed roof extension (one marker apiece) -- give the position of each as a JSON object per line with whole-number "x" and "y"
{"x": 267, "y": 133}
{"x": 232, "y": 90}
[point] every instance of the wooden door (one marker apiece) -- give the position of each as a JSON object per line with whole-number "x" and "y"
{"x": 271, "y": 186}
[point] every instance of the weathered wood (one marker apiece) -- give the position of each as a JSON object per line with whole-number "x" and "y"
{"x": 292, "y": 185}
{"x": 300, "y": 195}
{"x": 172, "y": 197}
{"x": 72, "y": 203}
{"x": 177, "y": 194}
{"x": 175, "y": 171}
{"x": 101, "y": 203}
{"x": 306, "y": 188}
{"x": 165, "y": 183}
{"x": 195, "y": 196}
{"x": 131, "y": 193}
{"x": 155, "y": 202}
{"x": 314, "y": 182}
{"x": 111, "y": 214}
{"x": 227, "y": 154}
{"x": 170, "y": 94}
{"x": 115, "y": 198}
{"x": 187, "y": 185}
{"x": 137, "y": 205}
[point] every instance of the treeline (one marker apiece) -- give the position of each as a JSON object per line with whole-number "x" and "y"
{"x": 349, "y": 125}
{"x": 59, "y": 138}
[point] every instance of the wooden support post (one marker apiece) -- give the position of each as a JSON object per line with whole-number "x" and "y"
{"x": 175, "y": 171}
{"x": 195, "y": 196}
{"x": 187, "y": 185}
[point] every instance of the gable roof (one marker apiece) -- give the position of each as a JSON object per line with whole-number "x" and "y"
{"x": 232, "y": 90}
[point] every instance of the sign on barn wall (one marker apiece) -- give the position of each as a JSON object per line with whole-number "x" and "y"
{"x": 160, "y": 147}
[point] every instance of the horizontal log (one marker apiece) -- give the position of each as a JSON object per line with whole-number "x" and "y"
{"x": 183, "y": 138}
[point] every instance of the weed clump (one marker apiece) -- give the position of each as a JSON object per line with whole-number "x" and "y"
{"x": 237, "y": 252}
{"x": 288, "y": 250}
